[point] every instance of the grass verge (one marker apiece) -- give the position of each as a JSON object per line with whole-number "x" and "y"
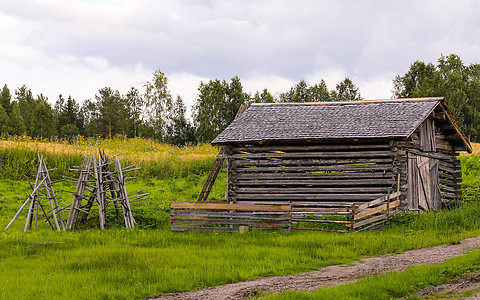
{"x": 395, "y": 284}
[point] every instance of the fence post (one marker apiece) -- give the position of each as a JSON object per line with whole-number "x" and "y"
{"x": 291, "y": 216}
{"x": 352, "y": 217}
{"x": 388, "y": 207}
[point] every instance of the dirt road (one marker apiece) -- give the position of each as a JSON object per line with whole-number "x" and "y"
{"x": 331, "y": 275}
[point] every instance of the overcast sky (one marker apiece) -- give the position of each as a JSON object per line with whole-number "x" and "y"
{"x": 76, "y": 47}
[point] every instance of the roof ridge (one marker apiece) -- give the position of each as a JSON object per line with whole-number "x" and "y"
{"x": 352, "y": 102}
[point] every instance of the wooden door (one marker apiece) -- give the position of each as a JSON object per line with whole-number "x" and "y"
{"x": 423, "y": 193}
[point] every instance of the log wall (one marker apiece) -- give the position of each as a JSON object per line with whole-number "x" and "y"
{"x": 353, "y": 172}
{"x": 429, "y": 141}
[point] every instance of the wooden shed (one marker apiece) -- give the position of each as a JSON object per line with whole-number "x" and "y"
{"x": 344, "y": 152}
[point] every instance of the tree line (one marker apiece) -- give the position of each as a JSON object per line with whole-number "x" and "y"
{"x": 157, "y": 114}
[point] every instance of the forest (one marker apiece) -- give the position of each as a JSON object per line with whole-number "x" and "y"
{"x": 159, "y": 115}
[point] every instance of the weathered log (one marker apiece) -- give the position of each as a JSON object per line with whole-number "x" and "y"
{"x": 316, "y": 182}
{"x": 367, "y": 154}
{"x": 308, "y": 162}
{"x": 344, "y": 168}
{"x": 325, "y": 175}
{"x": 330, "y": 197}
{"x": 312, "y": 147}
{"x": 300, "y": 190}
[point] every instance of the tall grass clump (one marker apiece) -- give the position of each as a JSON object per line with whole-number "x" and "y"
{"x": 18, "y": 156}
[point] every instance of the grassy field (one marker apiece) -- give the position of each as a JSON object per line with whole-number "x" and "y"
{"x": 395, "y": 285}
{"x": 125, "y": 264}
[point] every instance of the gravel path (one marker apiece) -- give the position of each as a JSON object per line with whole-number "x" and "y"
{"x": 331, "y": 275}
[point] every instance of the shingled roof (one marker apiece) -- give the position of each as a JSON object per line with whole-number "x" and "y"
{"x": 395, "y": 118}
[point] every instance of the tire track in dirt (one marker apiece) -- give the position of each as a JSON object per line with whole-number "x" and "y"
{"x": 331, "y": 275}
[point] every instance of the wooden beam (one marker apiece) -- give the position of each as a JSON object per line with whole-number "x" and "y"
{"x": 202, "y": 205}
{"x": 376, "y": 210}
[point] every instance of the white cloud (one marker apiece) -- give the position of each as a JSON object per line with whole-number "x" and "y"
{"x": 76, "y": 47}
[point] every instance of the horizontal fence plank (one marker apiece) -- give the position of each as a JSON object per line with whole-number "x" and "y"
{"x": 307, "y": 190}
{"x": 372, "y": 227}
{"x": 203, "y": 205}
{"x": 202, "y": 228}
{"x": 297, "y": 220}
{"x": 322, "y": 205}
{"x": 321, "y": 213}
{"x": 230, "y": 222}
{"x": 370, "y": 220}
{"x": 376, "y": 210}
{"x": 320, "y": 229}
{"x": 378, "y": 201}
{"x": 254, "y": 215}
{"x": 378, "y": 153}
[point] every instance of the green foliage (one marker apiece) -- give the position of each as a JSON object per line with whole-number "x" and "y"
{"x": 346, "y": 91}
{"x": 450, "y": 78}
{"x": 5, "y": 98}
{"x": 264, "y": 97}
{"x": 16, "y": 124}
{"x": 179, "y": 130}
{"x": 3, "y": 121}
{"x": 159, "y": 102}
{"x": 216, "y": 107}
{"x": 44, "y": 120}
{"x": 302, "y": 92}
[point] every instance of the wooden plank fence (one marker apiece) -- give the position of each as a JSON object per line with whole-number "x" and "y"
{"x": 220, "y": 216}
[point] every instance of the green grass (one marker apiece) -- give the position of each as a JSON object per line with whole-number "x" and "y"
{"x": 150, "y": 213}
{"x": 124, "y": 264}
{"x": 395, "y": 284}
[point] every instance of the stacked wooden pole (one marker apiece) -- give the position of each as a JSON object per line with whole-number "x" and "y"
{"x": 42, "y": 200}
{"x": 101, "y": 186}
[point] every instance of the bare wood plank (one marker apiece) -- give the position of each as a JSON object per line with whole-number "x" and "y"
{"x": 201, "y": 228}
{"x": 377, "y": 201}
{"x": 372, "y": 227}
{"x": 370, "y": 220}
{"x": 320, "y": 213}
{"x": 230, "y": 222}
{"x": 320, "y": 229}
{"x": 201, "y": 205}
{"x": 320, "y": 205}
{"x": 296, "y": 220}
{"x": 376, "y": 210}
{"x": 257, "y": 216}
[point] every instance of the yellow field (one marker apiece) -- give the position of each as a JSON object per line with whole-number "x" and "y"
{"x": 476, "y": 148}
{"x": 137, "y": 149}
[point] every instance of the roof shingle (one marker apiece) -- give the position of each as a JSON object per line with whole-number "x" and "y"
{"x": 317, "y": 121}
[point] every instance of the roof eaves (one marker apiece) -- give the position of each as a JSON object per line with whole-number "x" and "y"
{"x": 464, "y": 139}
{"x": 351, "y": 102}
